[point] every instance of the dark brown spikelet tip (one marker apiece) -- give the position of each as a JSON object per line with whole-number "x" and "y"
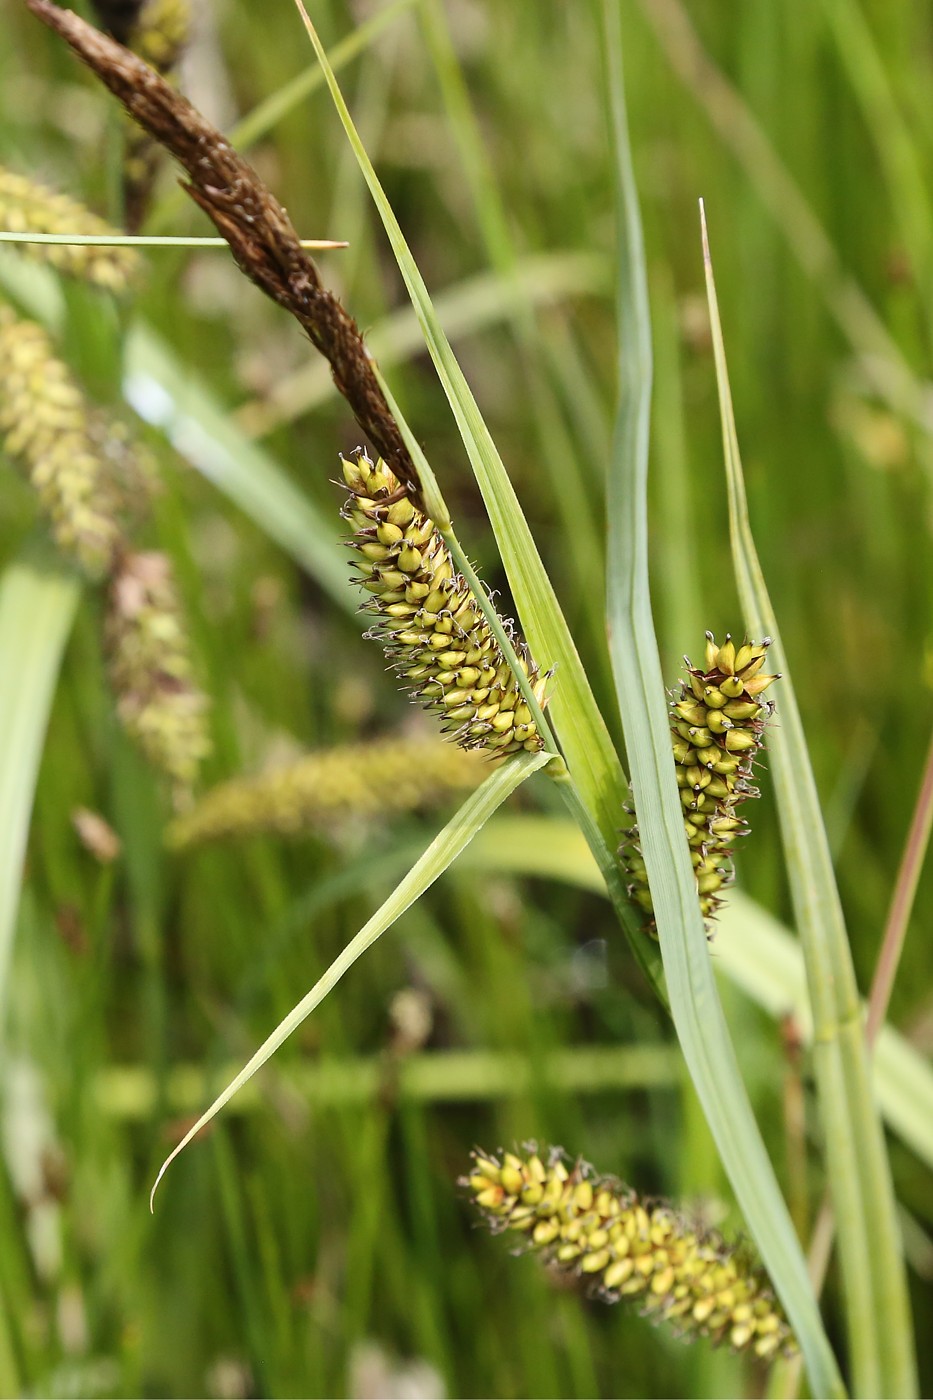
{"x": 428, "y": 620}
{"x": 599, "y": 1231}
{"x": 717, "y": 728}
{"x": 246, "y": 213}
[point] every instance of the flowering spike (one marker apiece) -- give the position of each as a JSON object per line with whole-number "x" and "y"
{"x": 84, "y": 469}
{"x": 428, "y": 620}
{"x": 596, "y": 1229}
{"x": 28, "y": 207}
{"x": 158, "y": 701}
{"x": 353, "y": 780}
{"x": 717, "y": 728}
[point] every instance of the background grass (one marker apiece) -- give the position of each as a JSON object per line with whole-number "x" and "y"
{"x": 318, "y": 1232}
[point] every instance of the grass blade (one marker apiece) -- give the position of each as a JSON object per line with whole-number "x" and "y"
{"x": 38, "y": 599}
{"x": 444, "y": 849}
{"x": 879, "y": 1325}
{"x": 581, "y": 729}
{"x": 695, "y": 1004}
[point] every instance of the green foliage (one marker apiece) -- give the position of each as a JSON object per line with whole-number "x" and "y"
{"x": 316, "y": 1238}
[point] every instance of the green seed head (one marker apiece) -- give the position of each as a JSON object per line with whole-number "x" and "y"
{"x": 717, "y": 728}
{"x": 352, "y": 783}
{"x": 158, "y": 700}
{"x": 427, "y": 619}
{"x": 86, "y": 473}
{"x": 598, "y": 1230}
{"x": 27, "y": 207}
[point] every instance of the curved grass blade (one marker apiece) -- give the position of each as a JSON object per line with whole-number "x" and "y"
{"x": 583, "y": 735}
{"x": 444, "y": 849}
{"x": 695, "y": 1003}
{"x": 38, "y": 599}
{"x": 878, "y": 1314}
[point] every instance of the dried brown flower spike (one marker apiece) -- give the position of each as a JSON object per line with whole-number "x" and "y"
{"x": 428, "y": 620}
{"x": 598, "y": 1230}
{"x": 717, "y": 728}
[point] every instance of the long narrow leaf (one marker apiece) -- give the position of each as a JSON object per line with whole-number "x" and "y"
{"x": 445, "y": 848}
{"x": 880, "y": 1333}
{"x": 695, "y": 1004}
{"x": 37, "y": 606}
{"x": 580, "y": 727}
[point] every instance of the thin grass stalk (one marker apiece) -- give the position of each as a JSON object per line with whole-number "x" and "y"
{"x": 695, "y": 1004}
{"x": 877, "y": 1308}
{"x": 142, "y": 240}
{"x": 753, "y": 950}
{"x": 902, "y": 902}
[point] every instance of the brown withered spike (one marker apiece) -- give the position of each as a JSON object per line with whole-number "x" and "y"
{"x": 246, "y": 213}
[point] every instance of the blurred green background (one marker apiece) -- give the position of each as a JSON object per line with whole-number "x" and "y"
{"x": 315, "y": 1243}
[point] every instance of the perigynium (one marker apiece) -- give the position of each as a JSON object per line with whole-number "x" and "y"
{"x": 428, "y": 620}
{"x": 599, "y": 1231}
{"x": 717, "y": 729}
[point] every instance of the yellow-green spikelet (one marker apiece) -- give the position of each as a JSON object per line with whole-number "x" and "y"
{"x": 430, "y": 624}
{"x": 598, "y": 1230}
{"x": 717, "y": 728}
{"x": 352, "y": 780}
{"x": 151, "y": 673}
{"x": 28, "y": 207}
{"x": 159, "y": 36}
{"x": 73, "y": 456}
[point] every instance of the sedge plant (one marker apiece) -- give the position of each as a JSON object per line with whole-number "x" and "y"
{"x": 525, "y": 703}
